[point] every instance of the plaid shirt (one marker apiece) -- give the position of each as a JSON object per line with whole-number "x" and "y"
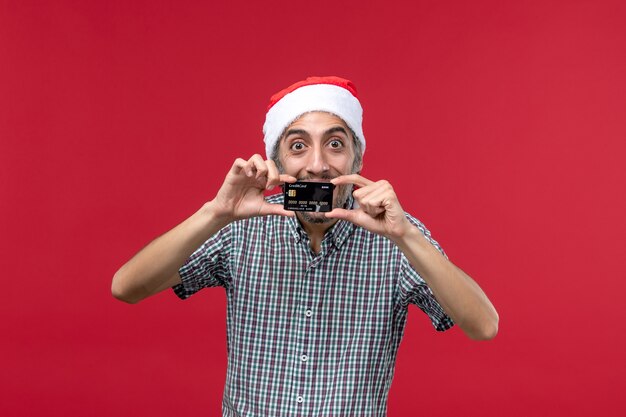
{"x": 309, "y": 334}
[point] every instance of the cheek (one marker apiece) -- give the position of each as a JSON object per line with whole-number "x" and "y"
{"x": 292, "y": 165}
{"x": 342, "y": 163}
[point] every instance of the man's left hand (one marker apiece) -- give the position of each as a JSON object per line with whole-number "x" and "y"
{"x": 378, "y": 211}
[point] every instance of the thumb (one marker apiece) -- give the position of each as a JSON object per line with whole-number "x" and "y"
{"x": 357, "y": 217}
{"x": 275, "y": 209}
{"x": 341, "y": 214}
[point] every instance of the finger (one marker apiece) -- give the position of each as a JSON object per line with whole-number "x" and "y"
{"x": 287, "y": 178}
{"x": 363, "y": 192}
{"x": 355, "y": 179}
{"x": 370, "y": 204}
{"x": 273, "y": 176}
{"x": 377, "y": 195}
{"x": 372, "y": 208}
{"x": 341, "y": 214}
{"x": 363, "y": 196}
{"x": 373, "y": 203}
{"x": 248, "y": 168}
{"x": 382, "y": 186}
{"x": 260, "y": 166}
{"x": 358, "y": 217}
{"x": 253, "y": 165}
{"x": 238, "y": 165}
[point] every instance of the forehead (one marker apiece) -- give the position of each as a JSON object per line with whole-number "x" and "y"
{"x": 317, "y": 122}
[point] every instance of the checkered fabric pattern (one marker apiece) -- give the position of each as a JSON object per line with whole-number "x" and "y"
{"x": 309, "y": 334}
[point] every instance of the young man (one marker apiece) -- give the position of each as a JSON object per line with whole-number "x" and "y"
{"x": 317, "y": 302}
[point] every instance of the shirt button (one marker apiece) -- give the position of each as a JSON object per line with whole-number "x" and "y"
{"x": 304, "y": 358}
{"x": 299, "y": 399}
{"x": 308, "y": 313}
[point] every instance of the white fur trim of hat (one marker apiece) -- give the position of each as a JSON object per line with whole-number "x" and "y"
{"x": 328, "y": 94}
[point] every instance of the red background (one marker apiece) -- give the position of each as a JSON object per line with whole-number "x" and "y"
{"x": 500, "y": 124}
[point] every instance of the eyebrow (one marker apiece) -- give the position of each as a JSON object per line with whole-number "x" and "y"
{"x": 335, "y": 130}
{"x": 305, "y": 133}
{"x": 296, "y": 132}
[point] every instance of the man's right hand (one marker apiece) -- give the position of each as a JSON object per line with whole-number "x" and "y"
{"x": 155, "y": 267}
{"x": 241, "y": 195}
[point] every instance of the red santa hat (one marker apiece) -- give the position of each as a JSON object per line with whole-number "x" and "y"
{"x": 329, "y": 94}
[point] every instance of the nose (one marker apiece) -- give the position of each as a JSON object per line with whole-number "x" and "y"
{"x": 317, "y": 164}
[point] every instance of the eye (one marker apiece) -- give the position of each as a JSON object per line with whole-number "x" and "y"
{"x": 297, "y": 146}
{"x": 336, "y": 144}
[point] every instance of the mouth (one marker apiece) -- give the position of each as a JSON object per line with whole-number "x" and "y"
{"x": 311, "y": 179}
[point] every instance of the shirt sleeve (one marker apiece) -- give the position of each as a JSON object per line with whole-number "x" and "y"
{"x": 414, "y": 289}
{"x": 208, "y": 266}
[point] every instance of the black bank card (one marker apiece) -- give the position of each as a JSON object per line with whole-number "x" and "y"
{"x": 309, "y": 196}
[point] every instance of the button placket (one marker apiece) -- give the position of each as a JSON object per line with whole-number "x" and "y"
{"x": 301, "y": 387}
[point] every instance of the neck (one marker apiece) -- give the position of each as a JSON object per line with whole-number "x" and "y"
{"x": 316, "y": 231}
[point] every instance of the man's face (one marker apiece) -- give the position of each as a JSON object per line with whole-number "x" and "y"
{"x": 318, "y": 147}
